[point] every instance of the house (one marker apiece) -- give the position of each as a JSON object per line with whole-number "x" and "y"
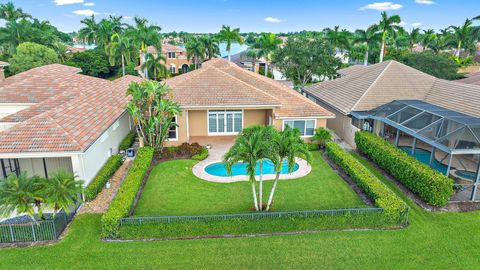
{"x": 246, "y": 62}
{"x": 176, "y": 58}
{"x": 52, "y": 118}
{"x": 436, "y": 120}
{"x": 220, "y": 99}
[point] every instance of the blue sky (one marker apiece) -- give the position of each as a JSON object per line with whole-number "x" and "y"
{"x": 259, "y": 15}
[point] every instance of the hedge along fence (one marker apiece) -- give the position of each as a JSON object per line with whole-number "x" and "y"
{"x": 394, "y": 208}
{"x": 127, "y": 142}
{"x": 123, "y": 201}
{"x": 97, "y": 184}
{"x": 433, "y": 187}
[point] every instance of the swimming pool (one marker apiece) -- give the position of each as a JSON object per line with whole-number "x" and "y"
{"x": 218, "y": 169}
{"x": 424, "y": 157}
{"x": 466, "y": 174}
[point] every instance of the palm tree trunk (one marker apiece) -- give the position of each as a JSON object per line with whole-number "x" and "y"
{"x": 365, "y": 59}
{"x": 260, "y": 189}
{"x": 459, "y": 47}
{"x": 229, "y": 58}
{"x": 270, "y": 198}
{"x": 382, "y": 49}
{"x": 254, "y": 193}
{"x": 253, "y": 64}
{"x": 123, "y": 66}
{"x": 266, "y": 68}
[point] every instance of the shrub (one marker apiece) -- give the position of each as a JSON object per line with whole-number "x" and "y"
{"x": 31, "y": 55}
{"x": 322, "y": 136}
{"x": 127, "y": 142}
{"x": 394, "y": 208}
{"x": 97, "y": 184}
{"x": 312, "y": 146}
{"x": 202, "y": 155}
{"x": 433, "y": 187}
{"x": 123, "y": 201}
{"x": 189, "y": 149}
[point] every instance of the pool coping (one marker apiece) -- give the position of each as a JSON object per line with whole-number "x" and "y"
{"x": 199, "y": 171}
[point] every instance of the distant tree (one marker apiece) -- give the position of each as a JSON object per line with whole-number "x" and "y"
{"x": 439, "y": 65}
{"x": 230, "y": 36}
{"x": 302, "y": 59}
{"x": 255, "y": 55}
{"x": 120, "y": 46}
{"x": 92, "y": 62}
{"x": 30, "y": 55}
{"x": 9, "y": 12}
{"x": 413, "y": 38}
{"x": 88, "y": 33}
{"x": 386, "y": 27}
{"x": 428, "y": 39}
{"x": 266, "y": 44}
{"x": 366, "y": 37}
{"x": 155, "y": 66}
{"x": 338, "y": 38}
{"x": 195, "y": 50}
{"x": 210, "y": 43}
{"x": 465, "y": 36}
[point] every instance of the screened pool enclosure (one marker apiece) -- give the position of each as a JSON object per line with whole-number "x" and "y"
{"x": 447, "y": 140}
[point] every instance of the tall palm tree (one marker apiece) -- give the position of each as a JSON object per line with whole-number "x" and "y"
{"x": 287, "y": 145}
{"x": 196, "y": 50}
{"x": 428, "y": 38}
{"x": 9, "y": 12}
{"x": 145, "y": 34}
{"x": 463, "y": 36}
{"x": 155, "y": 65}
{"x": 88, "y": 34}
{"x": 250, "y": 148}
{"x": 229, "y": 36}
{"x": 21, "y": 194}
{"x": 266, "y": 44}
{"x": 366, "y": 37}
{"x": 210, "y": 43}
{"x": 120, "y": 47}
{"x": 386, "y": 27}
{"x": 62, "y": 190}
{"x": 413, "y": 38}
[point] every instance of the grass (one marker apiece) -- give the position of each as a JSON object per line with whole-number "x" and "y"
{"x": 432, "y": 241}
{"x": 172, "y": 189}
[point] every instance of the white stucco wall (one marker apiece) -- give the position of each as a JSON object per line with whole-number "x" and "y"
{"x": 87, "y": 164}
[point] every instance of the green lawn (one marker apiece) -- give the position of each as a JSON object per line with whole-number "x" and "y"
{"x": 172, "y": 189}
{"x": 432, "y": 241}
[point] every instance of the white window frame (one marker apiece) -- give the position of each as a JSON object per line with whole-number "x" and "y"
{"x": 169, "y": 54}
{"x": 176, "y": 131}
{"x": 305, "y": 131}
{"x": 174, "y": 67}
{"x": 225, "y": 133}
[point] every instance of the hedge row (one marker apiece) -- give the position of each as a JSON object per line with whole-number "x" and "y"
{"x": 202, "y": 155}
{"x": 394, "y": 208}
{"x": 433, "y": 187}
{"x": 123, "y": 201}
{"x": 127, "y": 142}
{"x": 97, "y": 184}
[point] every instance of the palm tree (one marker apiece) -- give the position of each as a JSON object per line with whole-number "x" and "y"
{"x": 413, "y": 38}
{"x": 386, "y": 27}
{"x": 21, "y": 194}
{"x": 61, "y": 51}
{"x": 338, "y": 39}
{"x": 120, "y": 46}
{"x": 230, "y": 36}
{"x": 211, "y": 46}
{"x": 254, "y": 54}
{"x": 62, "y": 190}
{"x": 250, "y": 148}
{"x": 145, "y": 34}
{"x": 322, "y": 136}
{"x": 266, "y": 44}
{"x": 287, "y": 145}
{"x": 9, "y": 12}
{"x": 366, "y": 37}
{"x": 155, "y": 65}
{"x": 463, "y": 36}
{"x": 88, "y": 33}
{"x": 196, "y": 50}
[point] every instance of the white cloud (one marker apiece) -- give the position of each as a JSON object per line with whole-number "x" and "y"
{"x": 85, "y": 12}
{"x": 382, "y": 6}
{"x": 417, "y": 24}
{"x": 425, "y": 2}
{"x": 67, "y": 2}
{"x": 273, "y": 20}
{"x": 89, "y": 4}
{"x": 402, "y": 24}
{"x": 127, "y": 17}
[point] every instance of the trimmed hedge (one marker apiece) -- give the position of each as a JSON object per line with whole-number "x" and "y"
{"x": 202, "y": 155}
{"x": 127, "y": 142}
{"x": 433, "y": 187}
{"x": 97, "y": 184}
{"x": 123, "y": 201}
{"x": 394, "y": 208}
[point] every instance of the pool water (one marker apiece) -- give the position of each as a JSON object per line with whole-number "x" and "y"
{"x": 218, "y": 169}
{"x": 466, "y": 174}
{"x": 424, "y": 157}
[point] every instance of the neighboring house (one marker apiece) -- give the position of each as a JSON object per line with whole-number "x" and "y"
{"x": 220, "y": 99}
{"x": 439, "y": 120}
{"x": 2, "y": 70}
{"x": 246, "y": 62}
{"x": 473, "y": 78}
{"x": 54, "y": 118}
{"x": 176, "y": 58}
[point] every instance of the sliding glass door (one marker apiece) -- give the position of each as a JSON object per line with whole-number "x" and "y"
{"x": 224, "y": 122}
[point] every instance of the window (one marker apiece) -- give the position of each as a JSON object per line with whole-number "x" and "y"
{"x": 173, "y": 69}
{"x": 225, "y": 121}
{"x": 306, "y": 127}
{"x": 172, "y": 132}
{"x": 171, "y": 55}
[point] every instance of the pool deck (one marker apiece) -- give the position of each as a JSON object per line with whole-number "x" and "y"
{"x": 219, "y": 146}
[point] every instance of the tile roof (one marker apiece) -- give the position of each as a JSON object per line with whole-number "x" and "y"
{"x": 166, "y": 47}
{"x": 71, "y": 110}
{"x": 384, "y": 82}
{"x": 222, "y": 83}
{"x": 473, "y": 78}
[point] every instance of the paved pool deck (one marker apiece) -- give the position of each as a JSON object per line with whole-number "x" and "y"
{"x": 219, "y": 146}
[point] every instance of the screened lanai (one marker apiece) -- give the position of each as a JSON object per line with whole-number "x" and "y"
{"x": 447, "y": 140}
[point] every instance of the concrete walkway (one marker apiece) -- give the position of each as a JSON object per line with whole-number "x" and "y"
{"x": 219, "y": 146}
